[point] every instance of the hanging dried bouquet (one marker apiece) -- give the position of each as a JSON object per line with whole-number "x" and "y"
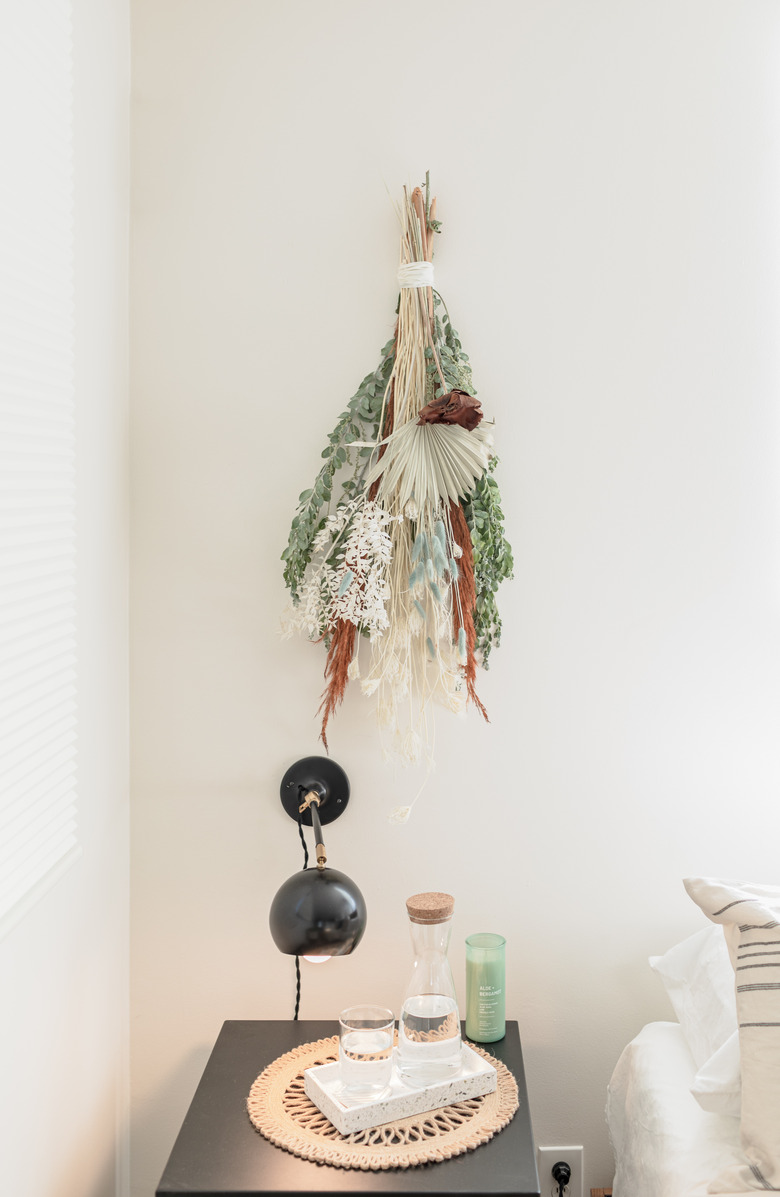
{"x": 401, "y": 538}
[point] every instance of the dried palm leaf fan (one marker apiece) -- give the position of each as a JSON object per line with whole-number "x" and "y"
{"x": 411, "y": 550}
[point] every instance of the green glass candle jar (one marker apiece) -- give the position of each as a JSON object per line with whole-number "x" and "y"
{"x": 485, "y": 996}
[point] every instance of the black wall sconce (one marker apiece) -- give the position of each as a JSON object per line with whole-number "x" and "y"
{"x": 318, "y": 912}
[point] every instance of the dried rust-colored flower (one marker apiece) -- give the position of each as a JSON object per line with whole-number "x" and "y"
{"x": 340, "y": 653}
{"x": 463, "y": 612}
{"x": 456, "y": 407}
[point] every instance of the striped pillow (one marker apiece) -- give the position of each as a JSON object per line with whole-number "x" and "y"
{"x": 750, "y": 917}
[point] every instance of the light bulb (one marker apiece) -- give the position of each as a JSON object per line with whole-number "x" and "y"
{"x": 316, "y": 959}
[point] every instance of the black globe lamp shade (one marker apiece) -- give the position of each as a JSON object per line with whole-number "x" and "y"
{"x": 318, "y": 912}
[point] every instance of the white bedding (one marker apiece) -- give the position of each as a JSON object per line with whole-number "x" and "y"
{"x": 665, "y": 1144}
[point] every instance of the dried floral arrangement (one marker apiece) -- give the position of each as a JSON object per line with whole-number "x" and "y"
{"x": 401, "y": 538}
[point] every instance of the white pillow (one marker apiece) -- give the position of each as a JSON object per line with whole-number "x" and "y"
{"x": 699, "y": 980}
{"x": 717, "y": 1085}
{"x": 750, "y": 917}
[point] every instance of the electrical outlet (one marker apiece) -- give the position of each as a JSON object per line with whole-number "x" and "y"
{"x": 547, "y": 1158}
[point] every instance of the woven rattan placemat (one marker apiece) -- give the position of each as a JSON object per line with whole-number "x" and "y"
{"x": 281, "y": 1112}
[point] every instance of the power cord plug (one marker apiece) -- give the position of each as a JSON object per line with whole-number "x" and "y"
{"x": 561, "y": 1174}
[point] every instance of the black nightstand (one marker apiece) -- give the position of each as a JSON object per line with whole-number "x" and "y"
{"x": 218, "y": 1152}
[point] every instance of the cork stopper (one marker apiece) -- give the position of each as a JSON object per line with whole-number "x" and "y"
{"x": 430, "y": 908}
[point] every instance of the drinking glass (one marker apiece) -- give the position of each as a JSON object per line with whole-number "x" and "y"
{"x": 365, "y": 1052}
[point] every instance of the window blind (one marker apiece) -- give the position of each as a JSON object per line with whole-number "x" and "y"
{"x": 38, "y": 834}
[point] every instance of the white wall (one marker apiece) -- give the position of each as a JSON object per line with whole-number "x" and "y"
{"x": 609, "y": 185}
{"x": 64, "y": 1083}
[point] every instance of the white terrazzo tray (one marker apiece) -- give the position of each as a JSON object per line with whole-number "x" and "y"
{"x": 322, "y": 1086}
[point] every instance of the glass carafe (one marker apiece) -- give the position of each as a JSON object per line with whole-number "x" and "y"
{"x": 429, "y": 1044}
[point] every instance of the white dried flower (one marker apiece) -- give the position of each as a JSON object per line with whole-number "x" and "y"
{"x": 321, "y": 541}
{"x": 359, "y": 586}
{"x": 400, "y": 814}
{"x": 411, "y": 745}
{"x": 455, "y": 700}
{"x": 392, "y": 668}
{"x": 311, "y": 613}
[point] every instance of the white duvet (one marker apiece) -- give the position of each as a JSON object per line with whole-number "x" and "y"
{"x": 665, "y": 1144}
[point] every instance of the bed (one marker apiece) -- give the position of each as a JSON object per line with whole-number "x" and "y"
{"x": 693, "y": 1106}
{"x": 665, "y": 1144}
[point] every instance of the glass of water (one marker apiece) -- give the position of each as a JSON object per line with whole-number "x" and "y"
{"x": 365, "y": 1052}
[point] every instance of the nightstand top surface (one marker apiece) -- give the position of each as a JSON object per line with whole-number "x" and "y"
{"x": 218, "y": 1153}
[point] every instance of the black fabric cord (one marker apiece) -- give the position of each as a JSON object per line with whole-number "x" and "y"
{"x": 297, "y": 958}
{"x": 303, "y": 841}
{"x": 297, "y": 987}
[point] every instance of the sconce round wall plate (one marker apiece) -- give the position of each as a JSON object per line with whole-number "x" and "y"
{"x": 326, "y": 778}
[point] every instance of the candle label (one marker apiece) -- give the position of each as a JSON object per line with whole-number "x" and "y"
{"x": 484, "y": 1002}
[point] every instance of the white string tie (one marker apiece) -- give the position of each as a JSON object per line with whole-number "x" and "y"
{"x": 415, "y": 274}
